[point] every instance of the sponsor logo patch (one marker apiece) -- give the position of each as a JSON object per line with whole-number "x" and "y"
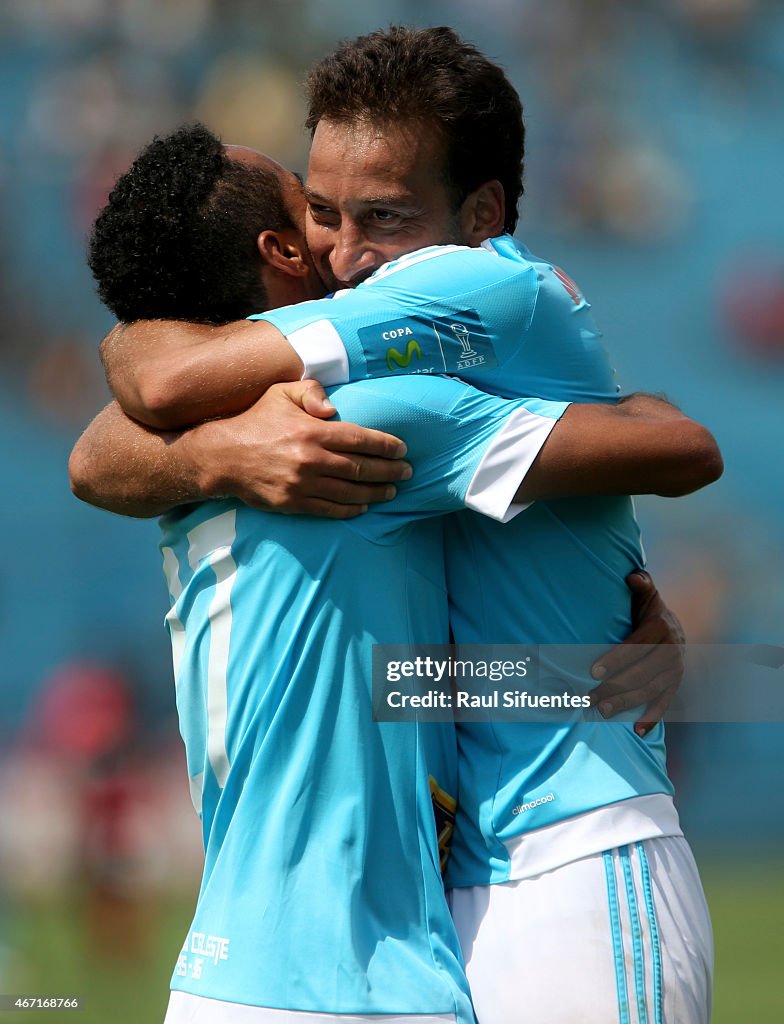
{"x": 438, "y": 345}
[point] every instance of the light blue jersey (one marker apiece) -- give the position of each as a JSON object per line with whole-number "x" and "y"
{"x": 321, "y": 888}
{"x": 511, "y": 324}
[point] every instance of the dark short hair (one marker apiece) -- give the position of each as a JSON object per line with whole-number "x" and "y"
{"x": 177, "y": 238}
{"x": 431, "y": 77}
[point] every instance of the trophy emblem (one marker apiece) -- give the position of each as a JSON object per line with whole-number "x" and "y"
{"x": 462, "y": 334}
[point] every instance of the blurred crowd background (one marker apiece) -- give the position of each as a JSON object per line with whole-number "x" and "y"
{"x": 656, "y": 155}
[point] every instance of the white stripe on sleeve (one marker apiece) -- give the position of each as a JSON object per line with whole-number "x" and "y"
{"x": 505, "y": 464}
{"x": 322, "y": 352}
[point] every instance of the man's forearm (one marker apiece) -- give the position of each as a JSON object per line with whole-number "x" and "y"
{"x": 643, "y": 445}
{"x": 124, "y": 467}
{"x": 169, "y": 375}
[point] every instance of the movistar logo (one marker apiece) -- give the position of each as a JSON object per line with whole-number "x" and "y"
{"x": 400, "y": 360}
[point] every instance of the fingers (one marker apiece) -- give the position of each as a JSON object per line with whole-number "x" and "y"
{"x": 309, "y": 395}
{"x": 348, "y": 437}
{"x": 635, "y": 691}
{"x": 653, "y": 680}
{"x": 641, "y": 583}
{"x": 363, "y": 469}
{"x": 623, "y": 657}
{"x": 350, "y": 481}
{"x": 318, "y": 496}
{"x": 308, "y": 507}
{"x": 630, "y": 667}
{"x": 347, "y": 492}
{"x": 314, "y": 399}
{"x": 329, "y": 509}
{"x": 655, "y": 711}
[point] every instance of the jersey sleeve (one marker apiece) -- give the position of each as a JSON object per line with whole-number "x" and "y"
{"x": 496, "y": 316}
{"x": 442, "y": 310}
{"x": 469, "y": 449}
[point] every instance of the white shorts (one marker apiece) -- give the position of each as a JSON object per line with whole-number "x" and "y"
{"x": 622, "y": 937}
{"x": 185, "y": 1008}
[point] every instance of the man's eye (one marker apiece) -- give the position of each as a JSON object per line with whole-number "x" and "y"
{"x": 321, "y": 212}
{"x": 384, "y": 216}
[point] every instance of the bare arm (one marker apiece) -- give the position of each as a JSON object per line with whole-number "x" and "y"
{"x": 168, "y": 374}
{"x": 275, "y": 455}
{"x": 127, "y": 468}
{"x": 642, "y": 445}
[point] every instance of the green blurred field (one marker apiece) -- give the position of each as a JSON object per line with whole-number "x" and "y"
{"x": 747, "y": 904}
{"x": 51, "y": 952}
{"x": 119, "y": 965}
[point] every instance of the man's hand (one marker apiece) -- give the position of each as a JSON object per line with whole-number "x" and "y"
{"x": 280, "y": 454}
{"x": 274, "y": 455}
{"x": 647, "y": 668}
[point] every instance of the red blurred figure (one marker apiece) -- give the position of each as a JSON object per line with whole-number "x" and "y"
{"x": 85, "y": 712}
{"x": 85, "y": 718}
{"x": 754, "y": 308}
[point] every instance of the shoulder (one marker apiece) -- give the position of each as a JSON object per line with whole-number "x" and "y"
{"x": 556, "y": 286}
{"x": 453, "y": 267}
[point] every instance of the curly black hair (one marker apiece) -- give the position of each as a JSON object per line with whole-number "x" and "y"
{"x": 177, "y": 238}
{"x": 433, "y": 77}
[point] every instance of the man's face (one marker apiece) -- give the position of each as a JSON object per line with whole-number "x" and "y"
{"x": 372, "y": 195}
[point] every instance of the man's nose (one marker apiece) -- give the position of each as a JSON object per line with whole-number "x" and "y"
{"x": 353, "y": 257}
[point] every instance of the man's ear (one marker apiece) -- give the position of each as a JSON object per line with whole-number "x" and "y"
{"x": 283, "y": 251}
{"x": 482, "y": 213}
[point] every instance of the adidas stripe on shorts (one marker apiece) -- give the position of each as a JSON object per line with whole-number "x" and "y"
{"x": 620, "y": 937}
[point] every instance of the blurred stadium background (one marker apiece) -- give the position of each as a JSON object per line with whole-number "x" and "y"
{"x": 656, "y": 146}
